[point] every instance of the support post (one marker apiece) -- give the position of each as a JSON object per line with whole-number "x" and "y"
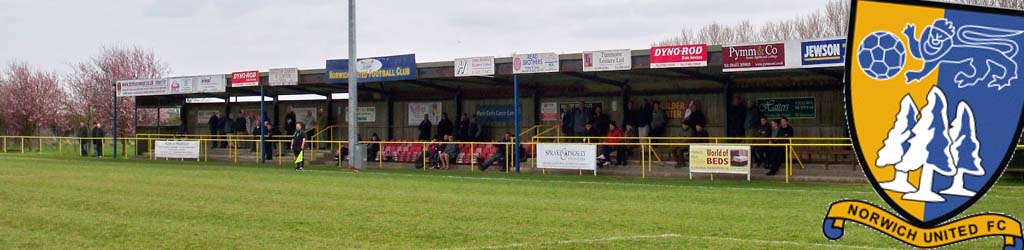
{"x": 515, "y": 151}
{"x": 353, "y": 89}
{"x": 115, "y": 121}
{"x": 263, "y": 129}
{"x": 391, "y": 116}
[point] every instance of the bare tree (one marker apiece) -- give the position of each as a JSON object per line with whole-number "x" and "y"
{"x": 92, "y": 84}
{"x": 31, "y": 99}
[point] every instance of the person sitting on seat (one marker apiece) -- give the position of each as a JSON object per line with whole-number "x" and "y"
{"x": 430, "y": 155}
{"x": 450, "y": 152}
{"x": 498, "y": 155}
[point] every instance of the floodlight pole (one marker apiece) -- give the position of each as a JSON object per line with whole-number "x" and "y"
{"x": 515, "y": 151}
{"x": 353, "y": 90}
{"x": 115, "y": 120}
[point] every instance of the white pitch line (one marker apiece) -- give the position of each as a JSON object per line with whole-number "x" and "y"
{"x": 641, "y": 237}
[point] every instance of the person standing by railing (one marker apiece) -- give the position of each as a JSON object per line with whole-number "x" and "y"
{"x": 214, "y": 123}
{"x": 476, "y": 130}
{"x": 241, "y": 129}
{"x": 228, "y": 126}
{"x": 268, "y": 131}
{"x": 83, "y": 138}
{"x": 373, "y": 148}
{"x": 290, "y": 120}
{"x": 424, "y": 128}
{"x": 97, "y": 139}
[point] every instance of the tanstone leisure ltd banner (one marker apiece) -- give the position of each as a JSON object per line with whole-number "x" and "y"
{"x": 534, "y": 63}
{"x": 474, "y": 66}
{"x": 374, "y": 69}
{"x": 678, "y": 56}
{"x": 607, "y": 60}
{"x": 245, "y": 78}
{"x": 567, "y": 156}
{"x": 495, "y": 113}
{"x": 172, "y": 86}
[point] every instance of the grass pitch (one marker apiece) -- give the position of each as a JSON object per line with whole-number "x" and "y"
{"x": 71, "y": 203}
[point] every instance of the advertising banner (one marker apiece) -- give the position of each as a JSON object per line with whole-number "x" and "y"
{"x": 607, "y": 60}
{"x": 364, "y": 114}
{"x": 720, "y": 159}
{"x": 209, "y": 83}
{"x": 142, "y": 87}
{"x": 549, "y": 111}
{"x": 753, "y": 57}
{"x": 374, "y": 69}
{"x": 176, "y": 149}
{"x": 791, "y": 108}
{"x": 678, "y": 56}
{"x": 534, "y": 63}
{"x": 823, "y": 53}
{"x": 283, "y": 77}
{"x": 417, "y": 109}
{"x": 245, "y": 78}
{"x": 495, "y": 113}
{"x": 474, "y": 66}
{"x": 567, "y": 156}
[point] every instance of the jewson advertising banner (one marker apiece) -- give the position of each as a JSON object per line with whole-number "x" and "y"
{"x": 495, "y": 113}
{"x": 607, "y": 60}
{"x": 374, "y": 69}
{"x": 567, "y": 156}
{"x": 474, "y": 66}
{"x": 823, "y": 53}
{"x": 678, "y": 56}
{"x": 534, "y": 63}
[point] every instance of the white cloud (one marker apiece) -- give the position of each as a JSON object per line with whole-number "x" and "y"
{"x": 202, "y": 37}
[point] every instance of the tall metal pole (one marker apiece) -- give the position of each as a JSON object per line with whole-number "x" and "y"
{"x": 115, "y": 121}
{"x": 353, "y": 90}
{"x": 263, "y": 129}
{"x": 515, "y": 151}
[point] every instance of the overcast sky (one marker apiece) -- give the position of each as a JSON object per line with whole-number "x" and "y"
{"x": 205, "y": 37}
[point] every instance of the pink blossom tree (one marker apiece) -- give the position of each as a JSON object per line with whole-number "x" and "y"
{"x": 92, "y": 85}
{"x": 31, "y": 100}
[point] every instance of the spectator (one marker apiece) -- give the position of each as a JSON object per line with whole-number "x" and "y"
{"x": 498, "y": 154}
{"x": 445, "y": 126}
{"x": 462, "y": 128}
{"x": 97, "y": 139}
{"x": 241, "y": 126}
{"x": 591, "y": 133}
{"x": 321, "y": 127}
{"x": 614, "y": 136}
{"x": 297, "y": 145}
{"x": 682, "y": 154}
{"x": 475, "y": 130}
{"x": 425, "y": 128}
{"x": 373, "y": 149}
{"x": 657, "y": 120}
{"x": 644, "y": 118}
{"x": 630, "y": 115}
{"x": 579, "y": 119}
{"x": 429, "y": 155}
{"x": 450, "y": 153}
{"x": 775, "y": 153}
{"x": 694, "y": 116}
{"x": 567, "y": 123}
{"x": 600, "y": 121}
{"x": 753, "y": 122}
{"x": 215, "y": 126}
{"x": 83, "y": 138}
{"x": 268, "y": 131}
{"x": 764, "y": 130}
{"x": 787, "y": 130}
{"x": 698, "y": 131}
{"x": 290, "y": 120}
{"x": 737, "y": 115}
{"x": 308, "y": 121}
{"x": 228, "y": 127}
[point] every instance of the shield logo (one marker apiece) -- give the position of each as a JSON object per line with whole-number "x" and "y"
{"x": 934, "y": 102}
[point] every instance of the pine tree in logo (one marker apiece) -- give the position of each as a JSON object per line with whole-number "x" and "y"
{"x": 964, "y": 150}
{"x": 896, "y": 145}
{"x": 929, "y": 148}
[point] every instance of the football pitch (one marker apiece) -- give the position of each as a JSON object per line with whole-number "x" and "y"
{"x": 70, "y": 203}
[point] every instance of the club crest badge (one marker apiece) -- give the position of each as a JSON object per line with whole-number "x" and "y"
{"x": 934, "y": 103}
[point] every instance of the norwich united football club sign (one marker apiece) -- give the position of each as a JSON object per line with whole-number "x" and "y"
{"x": 934, "y": 104}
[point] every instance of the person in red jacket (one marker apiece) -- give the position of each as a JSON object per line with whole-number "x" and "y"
{"x": 614, "y": 136}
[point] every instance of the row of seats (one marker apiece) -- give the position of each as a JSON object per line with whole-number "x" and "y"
{"x": 410, "y": 152}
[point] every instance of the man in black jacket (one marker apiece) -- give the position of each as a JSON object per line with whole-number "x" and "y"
{"x": 737, "y": 115}
{"x": 444, "y": 127}
{"x": 214, "y": 124}
{"x": 289, "y": 121}
{"x": 97, "y": 139}
{"x": 600, "y": 121}
{"x": 83, "y": 138}
{"x": 424, "y": 128}
{"x": 475, "y": 130}
{"x": 462, "y": 128}
{"x": 227, "y": 129}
